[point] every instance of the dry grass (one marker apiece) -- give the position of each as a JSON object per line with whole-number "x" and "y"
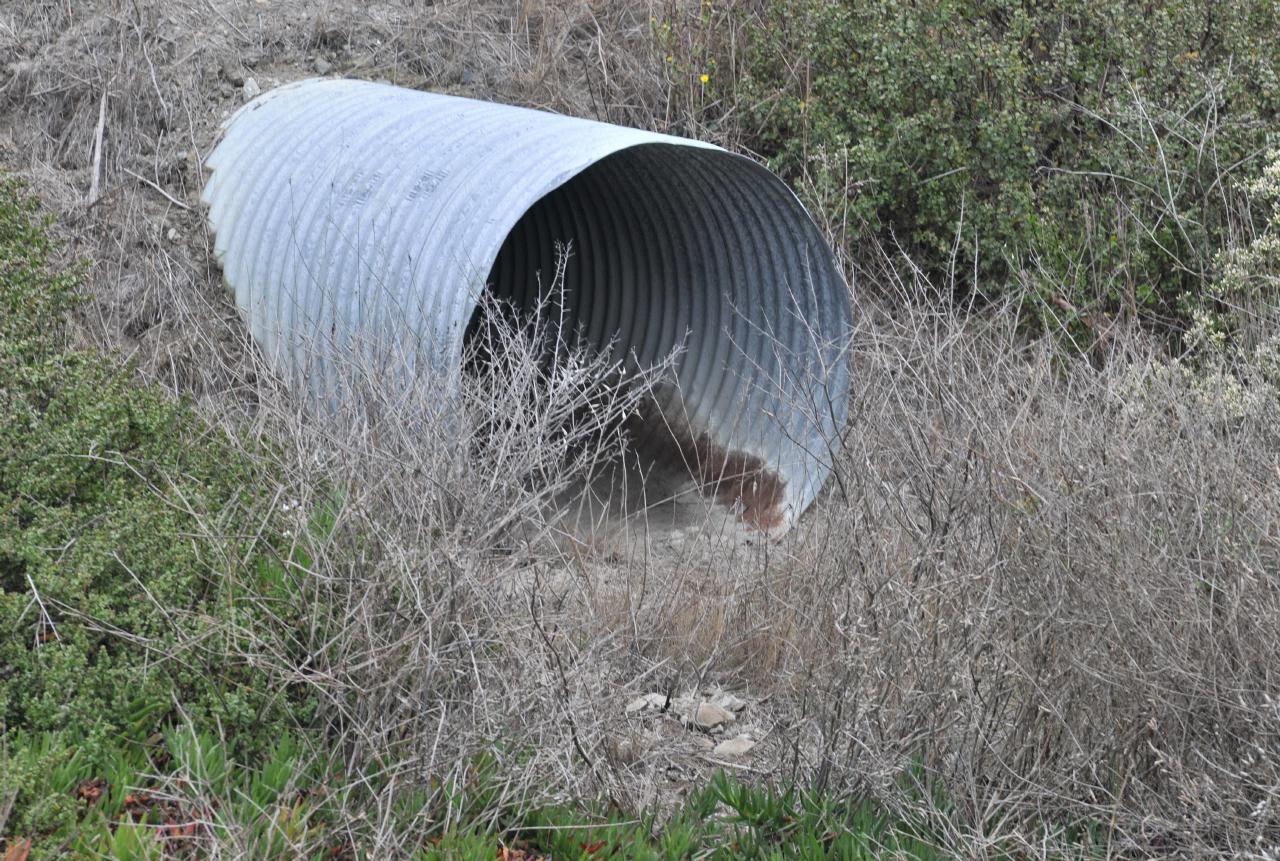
{"x": 1045, "y": 587}
{"x": 1040, "y": 594}
{"x": 1055, "y": 583}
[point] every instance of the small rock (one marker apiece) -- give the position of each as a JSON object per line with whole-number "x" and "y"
{"x": 729, "y": 701}
{"x": 322, "y": 66}
{"x": 468, "y": 77}
{"x": 646, "y": 703}
{"x": 710, "y": 715}
{"x": 172, "y": 235}
{"x": 736, "y": 746}
{"x": 251, "y": 88}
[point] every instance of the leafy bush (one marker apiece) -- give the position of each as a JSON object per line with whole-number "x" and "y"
{"x": 123, "y": 521}
{"x": 1249, "y": 277}
{"x": 1229, "y": 368}
{"x": 1090, "y": 146}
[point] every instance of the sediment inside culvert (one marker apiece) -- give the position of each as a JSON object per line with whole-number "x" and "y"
{"x": 740, "y": 481}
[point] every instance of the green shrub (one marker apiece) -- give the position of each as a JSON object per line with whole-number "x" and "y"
{"x": 175, "y": 799}
{"x": 1249, "y": 279}
{"x": 122, "y": 522}
{"x": 1229, "y": 367}
{"x": 1090, "y": 144}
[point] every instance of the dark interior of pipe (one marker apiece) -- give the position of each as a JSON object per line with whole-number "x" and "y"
{"x": 604, "y": 260}
{"x": 663, "y": 248}
{"x": 597, "y": 254}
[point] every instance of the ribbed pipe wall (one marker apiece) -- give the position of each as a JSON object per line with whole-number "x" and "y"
{"x": 352, "y": 213}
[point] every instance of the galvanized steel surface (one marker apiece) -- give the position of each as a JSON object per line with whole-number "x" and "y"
{"x": 349, "y": 213}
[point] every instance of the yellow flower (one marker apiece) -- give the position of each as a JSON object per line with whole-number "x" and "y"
{"x": 705, "y": 77}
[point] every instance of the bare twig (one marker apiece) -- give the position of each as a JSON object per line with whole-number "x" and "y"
{"x": 96, "y": 174}
{"x": 166, "y": 195}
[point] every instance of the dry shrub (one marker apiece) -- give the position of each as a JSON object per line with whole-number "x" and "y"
{"x": 1050, "y": 588}
{"x": 423, "y": 509}
{"x": 1039, "y": 598}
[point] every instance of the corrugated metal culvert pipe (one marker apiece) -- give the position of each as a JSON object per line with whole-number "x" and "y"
{"x": 347, "y": 211}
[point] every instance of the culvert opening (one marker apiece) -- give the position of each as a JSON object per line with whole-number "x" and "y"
{"x": 663, "y": 249}
{"x": 357, "y": 223}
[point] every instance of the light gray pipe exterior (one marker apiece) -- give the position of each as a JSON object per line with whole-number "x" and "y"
{"x": 351, "y": 212}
